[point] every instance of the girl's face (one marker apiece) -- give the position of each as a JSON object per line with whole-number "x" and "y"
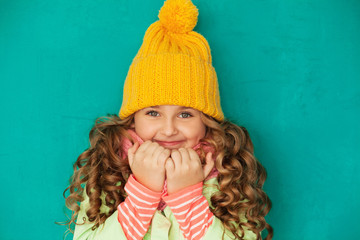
{"x": 171, "y": 126}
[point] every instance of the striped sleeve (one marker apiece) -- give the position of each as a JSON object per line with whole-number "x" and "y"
{"x": 135, "y": 213}
{"x": 191, "y": 210}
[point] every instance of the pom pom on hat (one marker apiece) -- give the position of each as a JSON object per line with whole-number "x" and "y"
{"x": 178, "y": 16}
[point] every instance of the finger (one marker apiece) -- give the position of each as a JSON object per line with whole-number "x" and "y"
{"x": 163, "y": 156}
{"x": 176, "y": 158}
{"x": 194, "y": 156}
{"x": 147, "y": 150}
{"x": 157, "y": 150}
{"x": 150, "y": 150}
{"x": 169, "y": 166}
{"x": 131, "y": 152}
{"x": 209, "y": 164}
{"x": 185, "y": 156}
{"x": 160, "y": 152}
{"x": 144, "y": 146}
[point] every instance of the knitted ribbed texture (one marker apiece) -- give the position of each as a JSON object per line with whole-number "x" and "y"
{"x": 173, "y": 65}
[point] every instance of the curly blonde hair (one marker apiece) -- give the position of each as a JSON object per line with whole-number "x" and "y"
{"x": 100, "y": 168}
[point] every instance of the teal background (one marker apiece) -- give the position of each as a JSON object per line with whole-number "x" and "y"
{"x": 289, "y": 71}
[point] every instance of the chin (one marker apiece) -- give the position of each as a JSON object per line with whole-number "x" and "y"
{"x": 171, "y": 147}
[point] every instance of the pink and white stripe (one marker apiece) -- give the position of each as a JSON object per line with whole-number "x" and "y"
{"x": 135, "y": 213}
{"x": 191, "y": 211}
{"x": 189, "y": 207}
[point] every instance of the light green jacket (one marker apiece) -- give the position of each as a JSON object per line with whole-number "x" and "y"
{"x": 163, "y": 225}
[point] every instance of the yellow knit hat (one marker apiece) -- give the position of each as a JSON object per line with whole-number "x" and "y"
{"x": 173, "y": 65}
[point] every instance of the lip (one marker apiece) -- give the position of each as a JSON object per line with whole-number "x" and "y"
{"x": 169, "y": 143}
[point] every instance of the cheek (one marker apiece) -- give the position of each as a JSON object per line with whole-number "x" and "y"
{"x": 202, "y": 133}
{"x": 196, "y": 132}
{"x": 142, "y": 130}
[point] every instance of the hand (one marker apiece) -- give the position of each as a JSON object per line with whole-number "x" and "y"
{"x": 147, "y": 163}
{"x": 184, "y": 169}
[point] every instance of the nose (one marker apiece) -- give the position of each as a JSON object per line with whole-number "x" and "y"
{"x": 169, "y": 127}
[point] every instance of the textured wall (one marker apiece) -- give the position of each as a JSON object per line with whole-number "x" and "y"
{"x": 289, "y": 71}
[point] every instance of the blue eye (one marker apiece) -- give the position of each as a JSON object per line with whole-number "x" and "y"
{"x": 185, "y": 115}
{"x": 152, "y": 113}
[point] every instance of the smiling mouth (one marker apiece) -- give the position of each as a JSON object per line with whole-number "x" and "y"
{"x": 171, "y": 144}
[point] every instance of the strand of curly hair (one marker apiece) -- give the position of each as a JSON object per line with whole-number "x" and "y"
{"x": 100, "y": 168}
{"x": 241, "y": 177}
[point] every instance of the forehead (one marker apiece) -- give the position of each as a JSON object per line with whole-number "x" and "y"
{"x": 171, "y": 107}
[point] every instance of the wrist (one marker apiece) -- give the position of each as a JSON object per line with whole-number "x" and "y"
{"x": 183, "y": 189}
{"x": 149, "y": 184}
{"x": 145, "y": 187}
{"x": 185, "y": 194}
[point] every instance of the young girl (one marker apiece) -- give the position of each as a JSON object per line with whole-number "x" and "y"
{"x": 169, "y": 166}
